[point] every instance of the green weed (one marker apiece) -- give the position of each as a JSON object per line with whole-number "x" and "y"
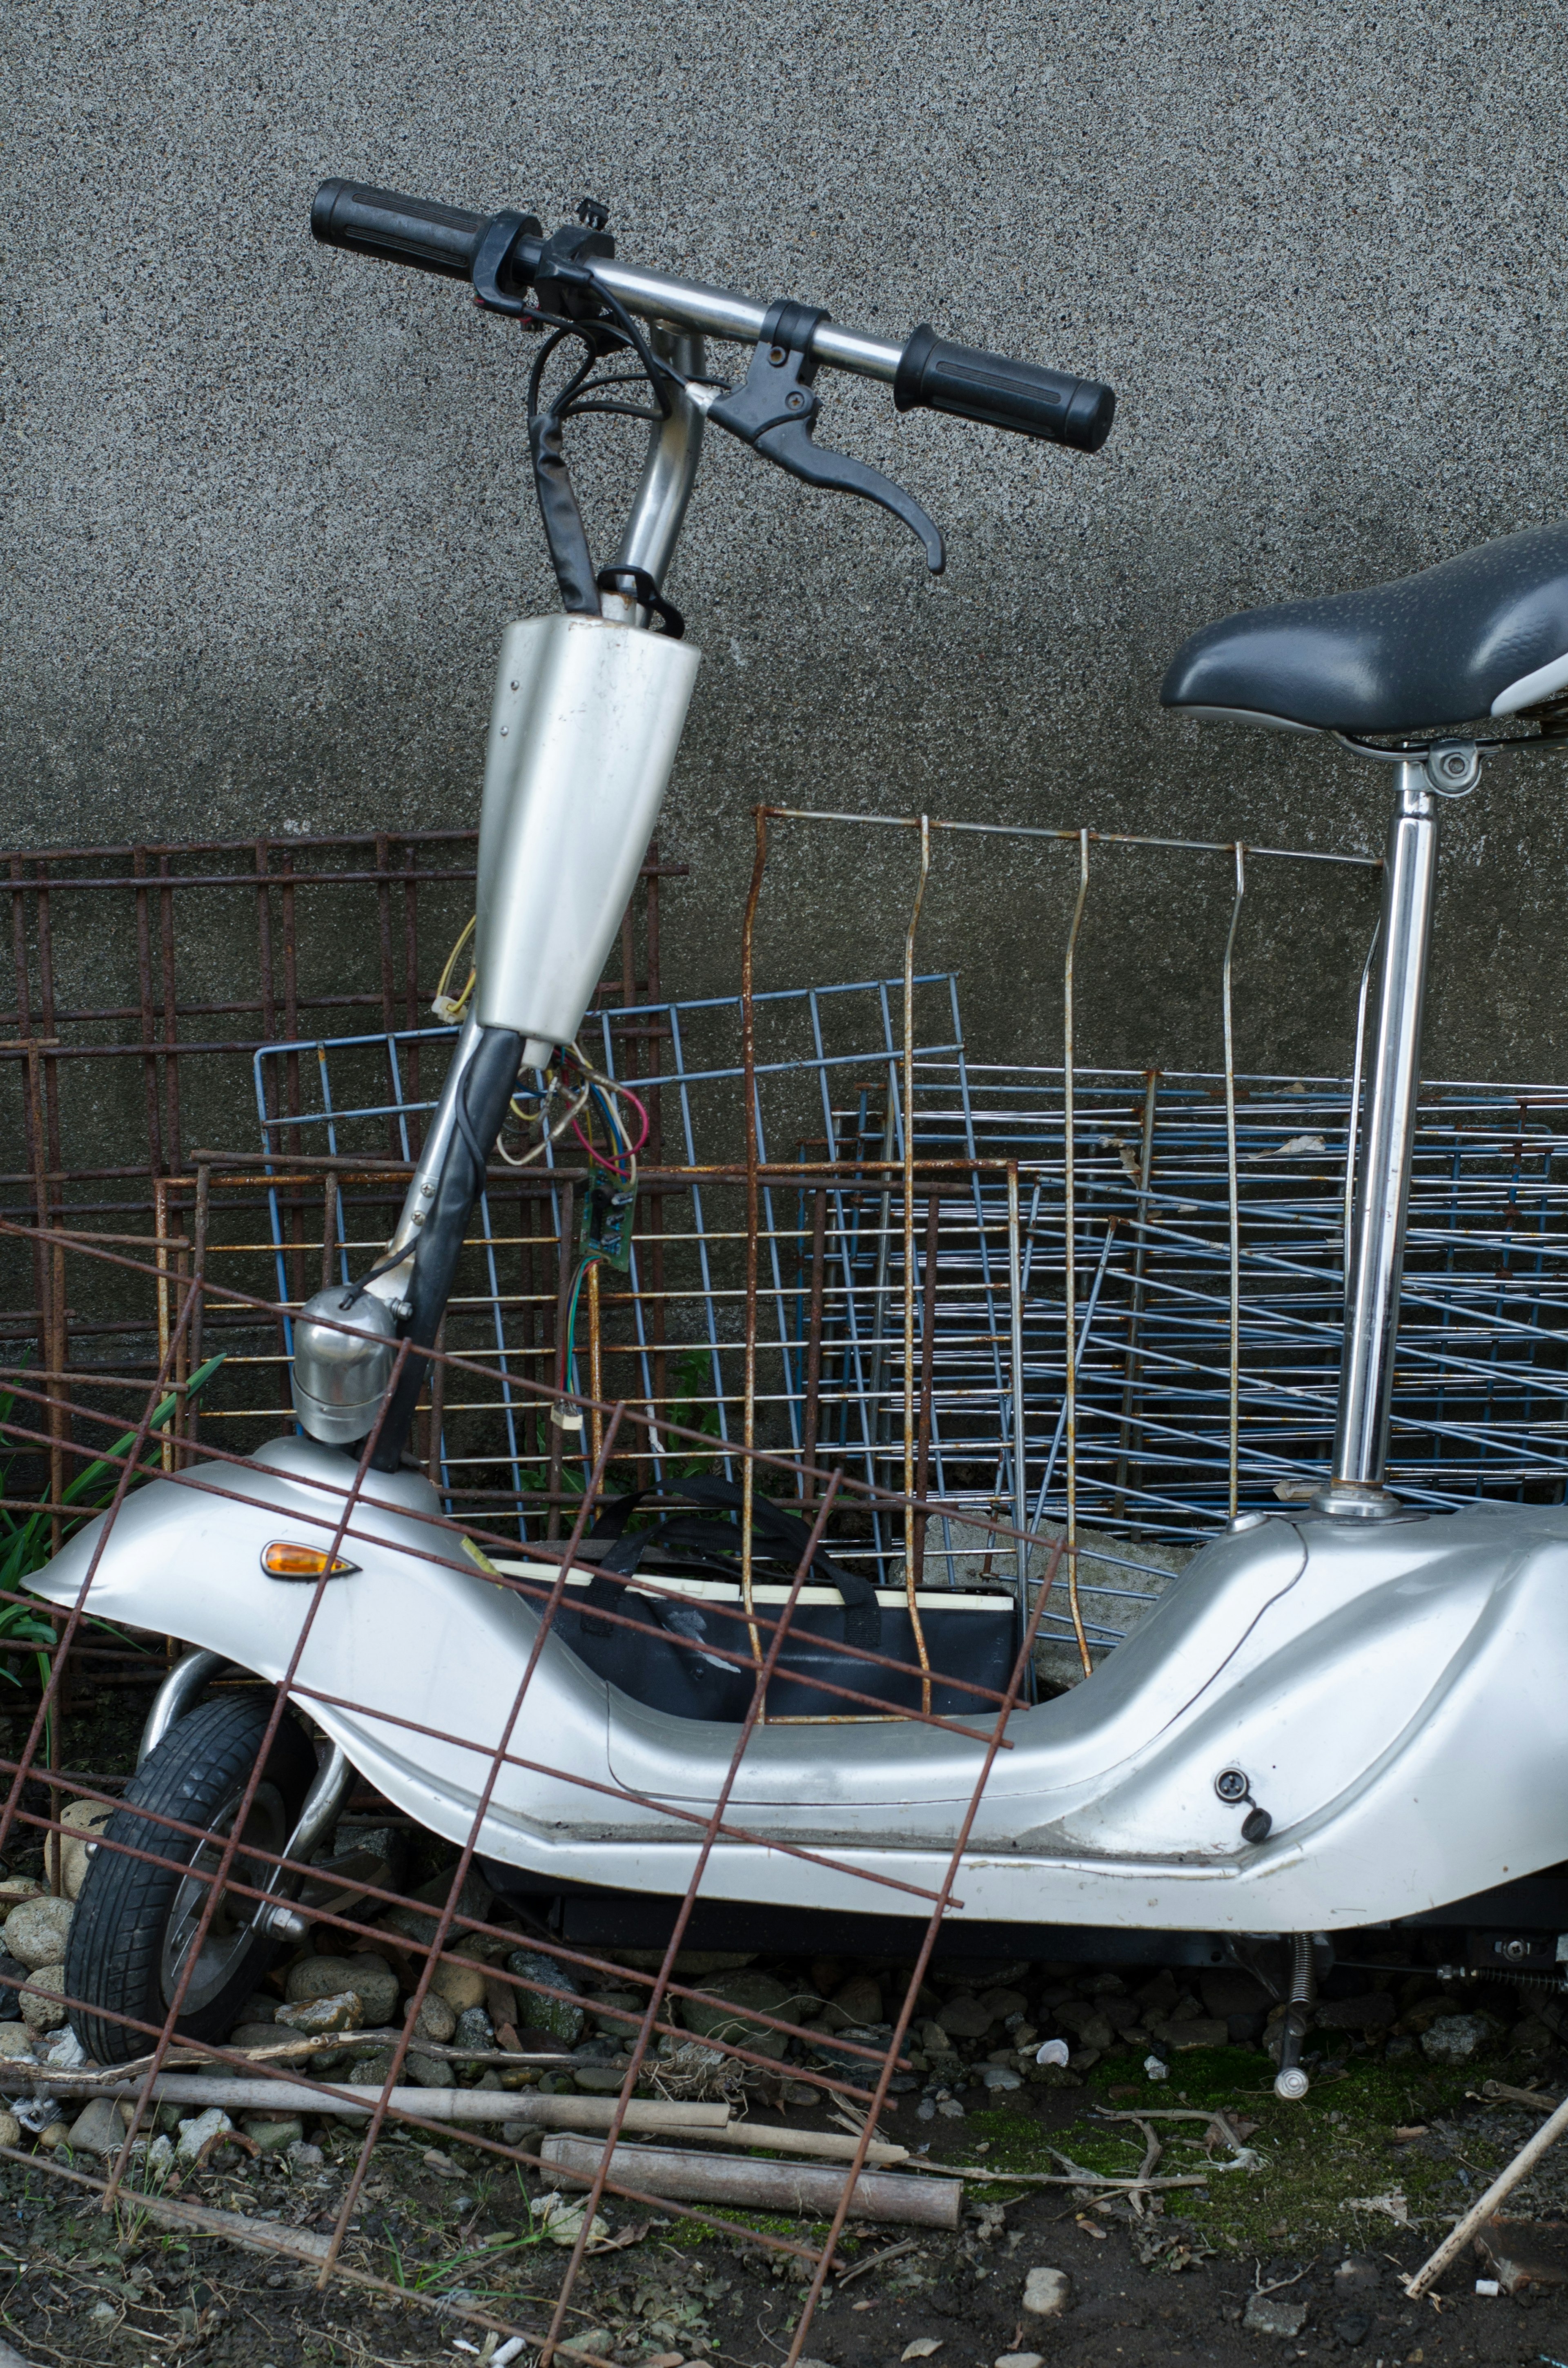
{"x": 26, "y": 1539}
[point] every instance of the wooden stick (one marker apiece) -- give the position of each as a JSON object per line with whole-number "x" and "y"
{"x": 780, "y": 2140}
{"x": 1454, "y": 2243}
{"x": 301, "y": 2045}
{"x": 800, "y": 2188}
{"x": 425, "y": 2104}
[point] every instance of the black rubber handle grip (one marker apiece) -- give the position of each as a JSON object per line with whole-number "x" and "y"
{"x": 934, "y": 376}
{"x": 399, "y": 229}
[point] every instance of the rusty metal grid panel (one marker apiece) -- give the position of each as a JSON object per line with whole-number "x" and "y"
{"x": 135, "y": 1245}
{"x": 142, "y": 979}
{"x": 226, "y": 1873}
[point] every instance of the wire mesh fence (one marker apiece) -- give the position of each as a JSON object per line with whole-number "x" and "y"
{"x": 927, "y": 1363}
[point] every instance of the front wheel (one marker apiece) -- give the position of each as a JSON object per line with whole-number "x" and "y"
{"x": 135, "y": 1925}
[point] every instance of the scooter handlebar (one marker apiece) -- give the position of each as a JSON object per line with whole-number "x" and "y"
{"x": 924, "y": 372}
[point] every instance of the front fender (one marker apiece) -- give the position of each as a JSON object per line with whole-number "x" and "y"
{"x": 410, "y": 1664}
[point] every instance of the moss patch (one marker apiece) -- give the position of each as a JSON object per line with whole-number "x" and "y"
{"x": 1315, "y": 2156}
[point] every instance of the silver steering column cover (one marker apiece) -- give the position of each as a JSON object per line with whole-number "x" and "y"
{"x": 586, "y": 720}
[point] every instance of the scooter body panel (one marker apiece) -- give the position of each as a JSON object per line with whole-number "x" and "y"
{"x": 1391, "y": 1691}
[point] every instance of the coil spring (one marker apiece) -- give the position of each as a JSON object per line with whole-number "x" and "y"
{"x": 1557, "y": 1984}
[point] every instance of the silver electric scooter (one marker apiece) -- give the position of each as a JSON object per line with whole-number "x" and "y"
{"x": 1342, "y": 1717}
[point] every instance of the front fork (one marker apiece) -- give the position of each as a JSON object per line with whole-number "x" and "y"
{"x": 587, "y": 717}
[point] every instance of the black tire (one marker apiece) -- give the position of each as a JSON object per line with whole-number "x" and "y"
{"x": 124, "y": 1955}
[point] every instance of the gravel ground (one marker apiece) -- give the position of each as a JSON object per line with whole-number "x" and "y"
{"x": 1293, "y": 2231}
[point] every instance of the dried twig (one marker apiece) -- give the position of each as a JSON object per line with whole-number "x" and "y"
{"x": 1279, "y": 2283}
{"x": 1153, "y": 2150}
{"x": 1454, "y": 2243}
{"x": 1075, "y": 2176}
{"x": 888, "y": 2253}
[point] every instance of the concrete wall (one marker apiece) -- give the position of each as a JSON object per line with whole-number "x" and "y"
{"x": 272, "y": 506}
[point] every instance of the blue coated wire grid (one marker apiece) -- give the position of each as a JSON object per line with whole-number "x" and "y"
{"x": 1481, "y": 1397}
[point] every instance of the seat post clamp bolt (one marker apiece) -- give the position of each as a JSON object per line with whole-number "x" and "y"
{"x": 1453, "y": 768}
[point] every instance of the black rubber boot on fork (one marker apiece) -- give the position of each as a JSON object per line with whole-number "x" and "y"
{"x": 487, "y": 1088}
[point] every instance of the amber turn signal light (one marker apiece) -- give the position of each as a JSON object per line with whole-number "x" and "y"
{"x": 281, "y": 1560}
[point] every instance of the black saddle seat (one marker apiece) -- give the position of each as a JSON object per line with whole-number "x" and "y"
{"x": 1422, "y": 652}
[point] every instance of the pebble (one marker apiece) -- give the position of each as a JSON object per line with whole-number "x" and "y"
{"x": 306, "y": 2158}
{"x": 802, "y": 2094}
{"x": 15, "y": 2043}
{"x": 273, "y": 2134}
{"x": 371, "y": 1980}
{"x": 760, "y": 1991}
{"x": 475, "y": 2029}
{"x": 257, "y": 2035}
{"x": 610, "y": 2026}
{"x": 97, "y": 2128}
{"x": 429, "y": 2071}
{"x": 370, "y": 2071}
{"x": 340, "y": 2011}
{"x": 922, "y": 2348}
{"x": 35, "y": 1934}
{"x": 461, "y": 1986}
{"x": 56, "y": 2135}
{"x": 82, "y": 1821}
{"x": 600, "y": 2079}
{"x": 1454, "y": 2038}
{"x": 45, "y": 2012}
{"x": 861, "y": 1998}
{"x": 1021, "y": 2360}
{"x": 560, "y": 2017}
{"x": 1274, "y": 2314}
{"x": 195, "y": 2134}
{"x": 436, "y": 2019}
{"x": 1087, "y": 2024}
{"x": 1046, "y": 2294}
{"x": 965, "y": 2016}
{"x": 1000, "y": 2076}
{"x": 10, "y": 2129}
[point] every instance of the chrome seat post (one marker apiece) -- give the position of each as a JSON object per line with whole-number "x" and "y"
{"x": 1387, "y": 1149}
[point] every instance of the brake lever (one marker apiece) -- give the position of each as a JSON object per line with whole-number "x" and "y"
{"x": 775, "y": 410}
